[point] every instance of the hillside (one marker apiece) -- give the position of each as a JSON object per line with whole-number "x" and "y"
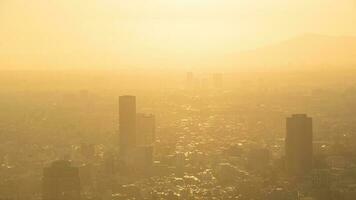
{"x": 308, "y": 50}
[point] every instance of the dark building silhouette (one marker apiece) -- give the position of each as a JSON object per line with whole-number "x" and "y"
{"x": 299, "y": 145}
{"x": 137, "y": 135}
{"x": 146, "y": 128}
{"x": 61, "y": 182}
{"x": 145, "y": 137}
{"x": 127, "y": 112}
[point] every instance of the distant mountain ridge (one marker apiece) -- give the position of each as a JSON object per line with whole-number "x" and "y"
{"x": 309, "y": 50}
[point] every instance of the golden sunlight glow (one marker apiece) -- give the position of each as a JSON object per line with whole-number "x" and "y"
{"x": 166, "y": 33}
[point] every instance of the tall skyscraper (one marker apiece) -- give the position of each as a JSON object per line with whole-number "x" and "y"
{"x": 61, "y": 182}
{"x": 127, "y": 120}
{"x": 299, "y": 145}
{"x": 146, "y": 128}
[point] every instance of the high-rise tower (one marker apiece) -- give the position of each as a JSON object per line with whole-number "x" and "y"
{"x": 299, "y": 145}
{"x": 127, "y": 120}
{"x": 61, "y": 182}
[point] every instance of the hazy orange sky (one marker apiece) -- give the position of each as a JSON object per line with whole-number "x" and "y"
{"x": 166, "y": 33}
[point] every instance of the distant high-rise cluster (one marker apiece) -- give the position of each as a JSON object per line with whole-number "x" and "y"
{"x": 203, "y": 81}
{"x": 137, "y": 133}
{"x": 299, "y": 145}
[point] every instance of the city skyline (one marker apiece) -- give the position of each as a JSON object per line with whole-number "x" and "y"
{"x": 177, "y": 100}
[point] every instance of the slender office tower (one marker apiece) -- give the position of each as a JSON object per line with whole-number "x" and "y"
{"x": 127, "y": 120}
{"x": 61, "y": 182}
{"x": 299, "y": 145}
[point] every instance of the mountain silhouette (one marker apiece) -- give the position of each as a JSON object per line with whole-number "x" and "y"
{"x": 305, "y": 51}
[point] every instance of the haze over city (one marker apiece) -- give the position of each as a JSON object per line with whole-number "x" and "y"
{"x": 177, "y": 100}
